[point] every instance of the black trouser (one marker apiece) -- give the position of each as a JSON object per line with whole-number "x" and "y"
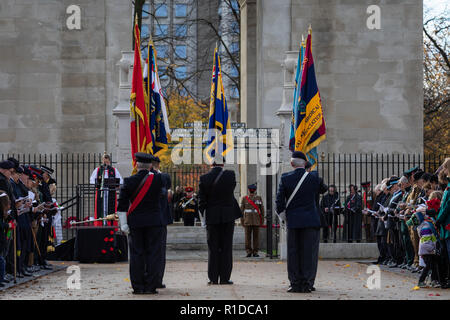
{"x": 220, "y": 251}
{"x": 329, "y": 221}
{"x": 431, "y": 263}
{"x": 145, "y": 257}
{"x": 42, "y": 238}
{"x": 188, "y": 219}
{"x": 353, "y": 221}
{"x": 163, "y": 256}
{"x": 302, "y": 256}
{"x": 382, "y": 248}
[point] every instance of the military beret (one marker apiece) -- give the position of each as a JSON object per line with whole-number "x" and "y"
{"x": 365, "y": 184}
{"x": 156, "y": 159}
{"x": 6, "y": 164}
{"x": 410, "y": 172}
{"x": 298, "y": 155}
{"x": 144, "y": 157}
{"x": 47, "y": 169}
{"x": 188, "y": 189}
{"x": 14, "y": 161}
{"x": 252, "y": 186}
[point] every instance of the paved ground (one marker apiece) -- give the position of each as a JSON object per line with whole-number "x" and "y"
{"x": 255, "y": 278}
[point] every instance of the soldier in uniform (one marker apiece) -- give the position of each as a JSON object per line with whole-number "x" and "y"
{"x": 140, "y": 215}
{"x": 220, "y": 209}
{"x": 367, "y": 202}
{"x": 165, "y": 195}
{"x": 252, "y": 210}
{"x": 188, "y": 206}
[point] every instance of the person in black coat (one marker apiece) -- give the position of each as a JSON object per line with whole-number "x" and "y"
{"x": 145, "y": 223}
{"x": 303, "y": 223}
{"x": 220, "y": 209}
{"x": 353, "y": 208}
{"x": 330, "y": 206}
{"x": 165, "y": 209}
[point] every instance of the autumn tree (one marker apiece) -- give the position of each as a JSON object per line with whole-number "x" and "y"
{"x": 436, "y": 70}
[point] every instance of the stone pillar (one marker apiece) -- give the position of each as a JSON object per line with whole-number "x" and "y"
{"x": 285, "y": 114}
{"x": 122, "y": 112}
{"x": 248, "y": 92}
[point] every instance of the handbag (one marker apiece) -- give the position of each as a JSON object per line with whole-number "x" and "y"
{"x": 282, "y": 215}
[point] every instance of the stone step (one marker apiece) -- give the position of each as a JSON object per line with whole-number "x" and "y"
{"x": 194, "y": 238}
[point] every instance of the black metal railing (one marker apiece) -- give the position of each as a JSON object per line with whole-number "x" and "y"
{"x": 72, "y": 173}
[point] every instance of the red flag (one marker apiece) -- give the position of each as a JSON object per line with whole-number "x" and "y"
{"x": 140, "y": 130}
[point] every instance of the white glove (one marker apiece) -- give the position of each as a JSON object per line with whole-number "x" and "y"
{"x": 123, "y": 222}
{"x": 202, "y": 220}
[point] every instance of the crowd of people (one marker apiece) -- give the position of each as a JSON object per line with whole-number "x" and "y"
{"x": 30, "y": 219}
{"x": 408, "y": 217}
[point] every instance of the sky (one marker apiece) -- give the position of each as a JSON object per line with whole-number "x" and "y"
{"x": 436, "y": 7}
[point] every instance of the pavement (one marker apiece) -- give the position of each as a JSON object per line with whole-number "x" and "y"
{"x": 254, "y": 278}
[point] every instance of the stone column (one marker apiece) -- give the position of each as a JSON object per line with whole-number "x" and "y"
{"x": 122, "y": 112}
{"x": 285, "y": 114}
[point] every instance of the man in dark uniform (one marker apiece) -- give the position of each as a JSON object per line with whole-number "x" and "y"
{"x": 188, "y": 206}
{"x": 303, "y": 223}
{"x": 330, "y": 206}
{"x": 139, "y": 211}
{"x": 165, "y": 209}
{"x": 367, "y": 203}
{"x": 220, "y": 209}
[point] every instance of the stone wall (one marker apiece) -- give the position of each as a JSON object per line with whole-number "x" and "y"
{"x": 58, "y": 86}
{"x": 370, "y": 81}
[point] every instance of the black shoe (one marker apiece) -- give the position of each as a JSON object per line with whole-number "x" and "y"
{"x": 293, "y": 289}
{"x": 256, "y": 255}
{"x": 334, "y": 241}
{"x": 138, "y": 292}
{"x": 150, "y": 291}
{"x": 18, "y": 275}
{"x": 46, "y": 267}
{"x": 305, "y": 290}
{"x": 312, "y": 289}
{"x": 26, "y": 274}
{"x": 248, "y": 255}
{"x": 226, "y": 282}
{"x": 5, "y": 280}
{"x": 325, "y": 241}
{"x": 161, "y": 286}
{"x": 2, "y": 285}
{"x": 212, "y": 282}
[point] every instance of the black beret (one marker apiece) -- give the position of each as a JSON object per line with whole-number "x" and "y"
{"x": 47, "y": 169}
{"x": 144, "y": 157}
{"x": 26, "y": 171}
{"x": 156, "y": 159}
{"x": 252, "y": 186}
{"x": 298, "y": 155}
{"x": 6, "y": 164}
{"x": 19, "y": 169}
{"x": 14, "y": 161}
